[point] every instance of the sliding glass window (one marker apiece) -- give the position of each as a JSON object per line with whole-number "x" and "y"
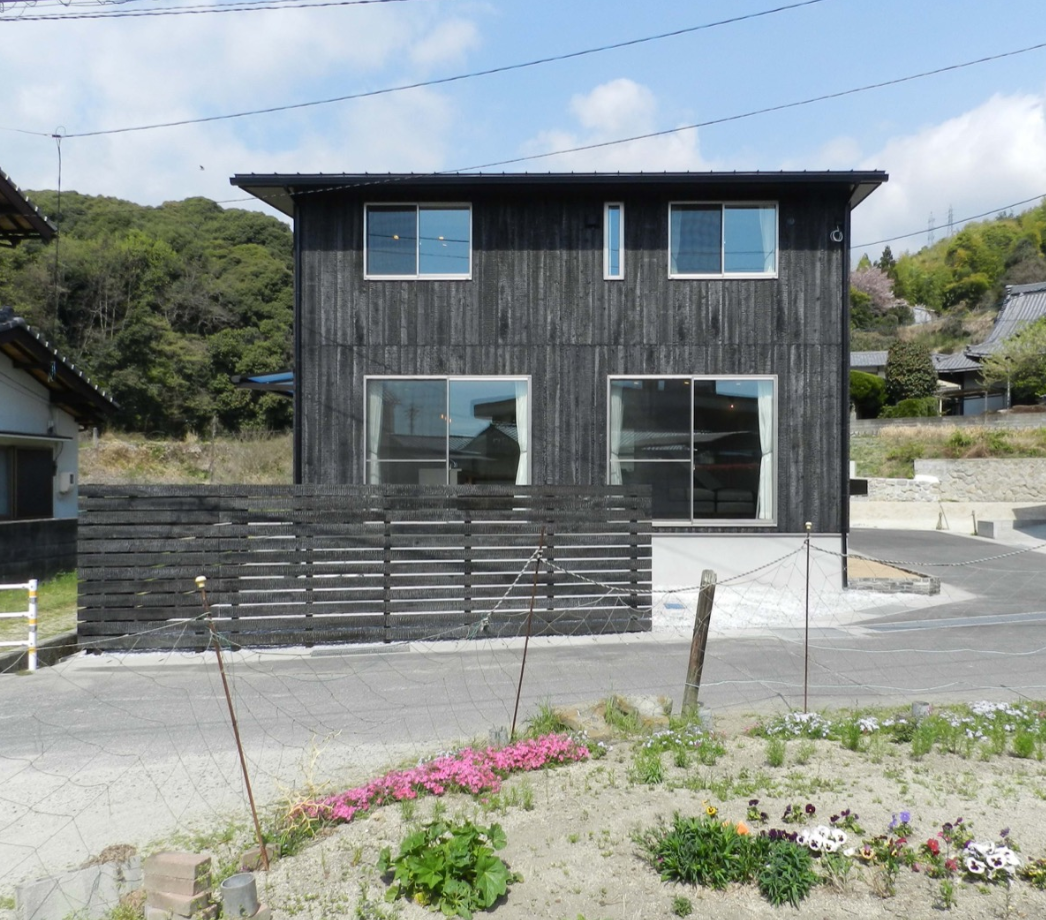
{"x": 407, "y": 241}
{"x": 705, "y": 445}
{"x": 448, "y": 430}
{"x": 722, "y": 240}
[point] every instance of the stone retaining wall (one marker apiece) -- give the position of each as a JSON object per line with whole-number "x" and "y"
{"x": 900, "y": 490}
{"x": 987, "y": 480}
{"x": 965, "y": 481}
{"x": 872, "y": 426}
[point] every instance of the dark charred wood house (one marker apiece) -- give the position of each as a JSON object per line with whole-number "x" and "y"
{"x": 683, "y": 330}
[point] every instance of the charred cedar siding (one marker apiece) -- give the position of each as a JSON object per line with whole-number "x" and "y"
{"x": 537, "y": 304}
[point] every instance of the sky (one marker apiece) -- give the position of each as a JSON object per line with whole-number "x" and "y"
{"x": 967, "y": 141}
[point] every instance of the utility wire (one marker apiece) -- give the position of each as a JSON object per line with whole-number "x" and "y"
{"x": 240, "y": 7}
{"x": 763, "y": 111}
{"x": 961, "y": 220}
{"x": 507, "y": 68}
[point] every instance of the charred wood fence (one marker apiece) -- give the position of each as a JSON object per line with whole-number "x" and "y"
{"x": 310, "y": 565}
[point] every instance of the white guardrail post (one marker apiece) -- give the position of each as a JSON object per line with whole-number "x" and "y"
{"x": 30, "y": 614}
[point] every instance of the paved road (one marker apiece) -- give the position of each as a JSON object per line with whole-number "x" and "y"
{"x": 107, "y": 749}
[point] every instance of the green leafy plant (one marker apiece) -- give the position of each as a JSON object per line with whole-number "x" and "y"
{"x": 775, "y": 752}
{"x": 701, "y": 851}
{"x": 450, "y": 867}
{"x": 788, "y": 875}
{"x": 682, "y": 907}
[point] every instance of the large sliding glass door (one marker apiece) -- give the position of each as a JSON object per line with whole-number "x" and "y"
{"x": 705, "y": 445}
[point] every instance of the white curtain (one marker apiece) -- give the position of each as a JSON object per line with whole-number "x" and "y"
{"x": 523, "y": 432}
{"x": 375, "y": 407}
{"x": 617, "y": 421}
{"x": 765, "y": 504}
{"x": 768, "y": 233}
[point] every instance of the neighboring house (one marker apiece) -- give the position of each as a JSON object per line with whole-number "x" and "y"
{"x": 1022, "y": 305}
{"x": 44, "y": 401}
{"x": 687, "y": 331}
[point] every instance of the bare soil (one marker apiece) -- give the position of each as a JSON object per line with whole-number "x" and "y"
{"x": 574, "y": 846}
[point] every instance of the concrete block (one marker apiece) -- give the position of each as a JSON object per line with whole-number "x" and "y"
{"x": 264, "y": 913}
{"x": 179, "y": 865}
{"x": 177, "y": 904}
{"x": 157, "y": 913}
{"x": 652, "y": 711}
{"x": 180, "y": 886}
{"x": 251, "y": 860}
{"x": 89, "y": 893}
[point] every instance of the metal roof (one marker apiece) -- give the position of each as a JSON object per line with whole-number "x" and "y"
{"x": 1024, "y": 304}
{"x": 20, "y": 219}
{"x": 70, "y": 389}
{"x": 280, "y": 189}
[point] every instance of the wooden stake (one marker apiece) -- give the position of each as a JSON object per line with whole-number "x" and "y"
{"x": 702, "y": 617}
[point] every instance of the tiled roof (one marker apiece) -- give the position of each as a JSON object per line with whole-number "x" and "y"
{"x": 1024, "y": 304}
{"x": 868, "y": 358}
{"x": 954, "y": 364}
{"x": 19, "y": 218}
{"x": 71, "y": 390}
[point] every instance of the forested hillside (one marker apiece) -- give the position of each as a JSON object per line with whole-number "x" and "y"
{"x": 161, "y": 305}
{"x": 962, "y": 277}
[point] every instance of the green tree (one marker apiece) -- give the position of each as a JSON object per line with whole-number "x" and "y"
{"x": 1020, "y": 363}
{"x": 867, "y": 393}
{"x": 910, "y": 373}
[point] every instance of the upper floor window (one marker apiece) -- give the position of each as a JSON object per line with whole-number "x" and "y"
{"x": 418, "y": 241}
{"x": 613, "y": 240}
{"x": 722, "y": 240}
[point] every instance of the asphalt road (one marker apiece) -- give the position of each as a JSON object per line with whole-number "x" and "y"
{"x": 106, "y": 749}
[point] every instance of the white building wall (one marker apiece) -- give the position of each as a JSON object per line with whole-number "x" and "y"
{"x": 776, "y": 560}
{"x": 25, "y": 407}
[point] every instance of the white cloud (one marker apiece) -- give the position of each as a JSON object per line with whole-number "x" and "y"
{"x": 105, "y": 75}
{"x": 618, "y": 108}
{"x": 980, "y": 161}
{"x": 447, "y": 42}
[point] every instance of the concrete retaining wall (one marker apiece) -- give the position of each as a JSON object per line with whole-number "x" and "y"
{"x": 900, "y": 490}
{"x": 987, "y": 480}
{"x": 872, "y": 426}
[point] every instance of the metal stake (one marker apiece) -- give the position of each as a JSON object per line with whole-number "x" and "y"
{"x": 201, "y": 582}
{"x": 806, "y": 637}
{"x": 526, "y": 642}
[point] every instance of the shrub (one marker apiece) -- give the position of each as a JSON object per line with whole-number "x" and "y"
{"x": 925, "y": 407}
{"x": 867, "y": 393}
{"x": 910, "y": 373}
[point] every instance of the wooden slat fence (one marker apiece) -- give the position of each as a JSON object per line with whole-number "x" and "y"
{"x": 309, "y": 565}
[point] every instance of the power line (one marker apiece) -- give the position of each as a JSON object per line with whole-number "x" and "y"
{"x": 961, "y": 220}
{"x": 507, "y": 68}
{"x": 764, "y": 111}
{"x": 244, "y": 6}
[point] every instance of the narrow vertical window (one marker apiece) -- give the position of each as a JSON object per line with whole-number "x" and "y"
{"x": 613, "y": 240}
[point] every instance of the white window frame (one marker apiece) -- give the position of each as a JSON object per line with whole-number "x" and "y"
{"x": 608, "y": 275}
{"x": 447, "y": 378}
{"x": 418, "y": 206}
{"x": 723, "y": 206}
{"x": 692, "y": 521}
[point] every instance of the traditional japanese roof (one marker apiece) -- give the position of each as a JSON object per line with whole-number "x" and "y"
{"x": 20, "y": 219}
{"x": 954, "y": 364}
{"x": 1024, "y": 304}
{"x": 863, "y": 359}
{"x": 280, "y": 189}
{"x": 70, "y": 388}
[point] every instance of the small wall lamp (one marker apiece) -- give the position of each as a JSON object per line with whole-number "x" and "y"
{"x": 836, "y": 236}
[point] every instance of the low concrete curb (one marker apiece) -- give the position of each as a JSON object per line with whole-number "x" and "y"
{"x": 48, "y": 652}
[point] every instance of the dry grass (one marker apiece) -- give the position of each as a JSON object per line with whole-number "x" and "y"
{"x": 893, "y": 452}
{"x": 254, "y": 459}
